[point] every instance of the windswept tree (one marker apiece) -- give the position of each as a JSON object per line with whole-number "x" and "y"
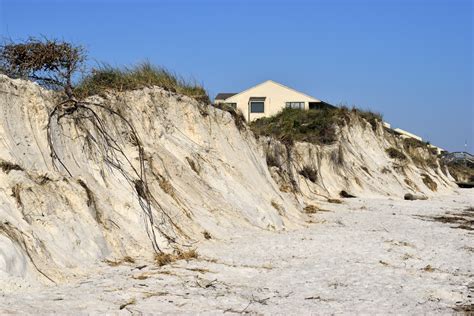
{"x": 51, "y": 63}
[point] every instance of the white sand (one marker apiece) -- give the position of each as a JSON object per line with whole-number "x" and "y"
{"x": 366, "y": 256}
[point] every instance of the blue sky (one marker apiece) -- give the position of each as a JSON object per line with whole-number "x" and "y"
{"x": 411, "y": 60}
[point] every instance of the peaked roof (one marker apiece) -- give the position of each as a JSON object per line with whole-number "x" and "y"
{"x": 279, "y": 84}
{"x": 223, "y": 96}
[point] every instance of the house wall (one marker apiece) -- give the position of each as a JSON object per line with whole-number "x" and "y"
{"x": 407, "y": 134}
{"x": 276, "y": 97}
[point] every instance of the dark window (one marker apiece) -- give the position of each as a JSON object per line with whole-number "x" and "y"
{"x": 295, "y": 105}
{"x": 320, "y": 105}
{"x": 257, "y": 107}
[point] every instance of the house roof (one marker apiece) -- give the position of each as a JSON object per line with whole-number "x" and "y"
{"x": 281, "y": 85}
{"x": 223, "y": 96}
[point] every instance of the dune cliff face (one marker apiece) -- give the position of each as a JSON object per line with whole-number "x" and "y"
{"x": 357, "y": 163}
{"x": 72, "y": 187}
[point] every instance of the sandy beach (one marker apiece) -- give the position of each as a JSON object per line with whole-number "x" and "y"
{"x": 362, "y": 256}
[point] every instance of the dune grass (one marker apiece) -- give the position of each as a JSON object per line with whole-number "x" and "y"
{"x": 142, "y": 75}
{"x": 317, "y": 126}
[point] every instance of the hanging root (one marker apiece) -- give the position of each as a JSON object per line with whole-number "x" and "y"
{"x": 100, "y": 141}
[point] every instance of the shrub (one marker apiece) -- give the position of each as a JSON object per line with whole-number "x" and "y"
{"x": 291, "y": 125}
{"x": 51, "y": 63}
{"x": 142, "y": 75}
{"x": 395, "y": 154}
{"x": 314, "y": 126}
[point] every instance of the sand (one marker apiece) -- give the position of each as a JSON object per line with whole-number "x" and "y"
{"x": 363, "y": 256}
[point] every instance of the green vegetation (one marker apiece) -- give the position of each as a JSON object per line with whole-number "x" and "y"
{"x": 291, "y": 125}
{"x": 142, "y": 75}
{"x": 314, "y": 126}
{"x": 395, "y": 153}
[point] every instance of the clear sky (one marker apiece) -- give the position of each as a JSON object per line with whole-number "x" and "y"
{"x": 411, "y": 60}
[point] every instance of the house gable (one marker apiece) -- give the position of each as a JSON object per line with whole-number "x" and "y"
{"x": 269, "y": 98}
{"x": 269, "y": 84}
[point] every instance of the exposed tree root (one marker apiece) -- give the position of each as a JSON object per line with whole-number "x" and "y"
{"x": 100, "y": 141}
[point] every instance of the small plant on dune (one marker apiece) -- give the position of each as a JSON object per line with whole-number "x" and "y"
{"x": 8, "y": 166}
{"x": 206, "y": 234}
{"x": 309, "y": 173}
{"x": 162, "y": 259}
{"x": 313, "y": 209}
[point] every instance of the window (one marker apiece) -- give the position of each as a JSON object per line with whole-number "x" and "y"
{"x": 295, "y": 105}
{"x": 257, "y": 107}
{"x": 232, "y": 105}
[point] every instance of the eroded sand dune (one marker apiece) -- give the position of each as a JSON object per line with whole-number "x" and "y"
{"x": 62, "y": 216}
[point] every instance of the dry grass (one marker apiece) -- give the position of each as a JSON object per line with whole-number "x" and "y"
{"x": 395, "y": 154}
{"x": 162, "y": 259}
{"x": 16, "y": 194}
{"x": 130, "y": 302}
{"x": 278, "y": 208}
{"x": 126, "y": 259}
{"x": 8, "y": 166}
{"x": 313, "y": 209}
{"x": 166, "y": 186}
{"x": 428, "y": 268}
{"x": 429, "y": 182}
{"x": 193, "y": 165}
